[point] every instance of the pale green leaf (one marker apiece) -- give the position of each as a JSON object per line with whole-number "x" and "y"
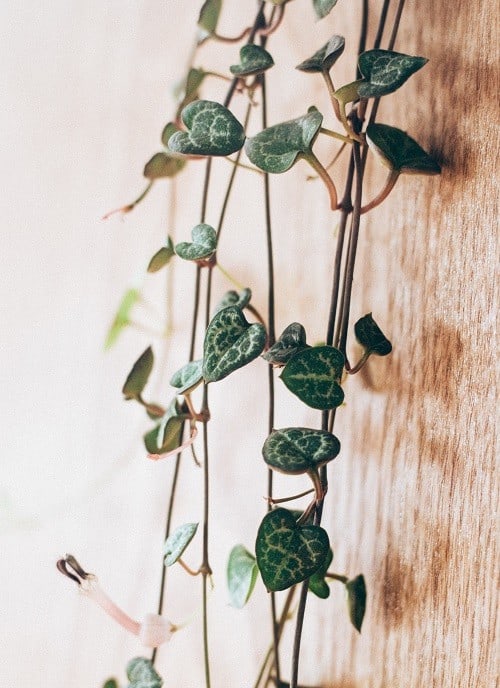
{"x": 162, "y": 257}
{"x": 324, "y": 58}
{"x": 323, "y": 7}
{"x": 122, "y": 317}
{"x": 142, "y": 674}
{"x": 242, "y": 574}
{"x": 188, "y": 377}
{"x": 209, "y": 15}
{"x": 139, "y": 375}
{"x": 203, "y": 245}
{"x": 177, "y": 542}
{"x": 163, "y": 165}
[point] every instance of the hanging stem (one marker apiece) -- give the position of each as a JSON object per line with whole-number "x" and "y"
{"x": 380, "y": 197}
{"x": 324, "y": 176}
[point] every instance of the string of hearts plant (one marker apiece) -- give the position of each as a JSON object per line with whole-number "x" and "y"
{"x": 292, "y": 550}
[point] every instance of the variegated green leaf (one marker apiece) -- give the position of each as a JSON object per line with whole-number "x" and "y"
{"x": 253, "y": 60}
{"x": 142, "y": 674}
{"x": 298, "y": 450}
{"x": 203, "y": 245}
{"x": 385, "y": 71}
{"x": 163, "y": 165}
{"x": 277, "y": 148}
{"x": 313, "y": 375}
{"x": 211, "y": 130}
{"x": 139, "y": 375}
{"x": 399, "y": 151}
{"x": 188, "y": 377}
{"x": 177, "y": 542}
{"x": 233, "y": 298}
{"x": 371, "y": 337}
{"x": 324, "y": 58}
{"x": 242, "y": 574}
{"x": 162, "y": 257}
{"x": 323, "y": 7}
{"x": 286, "y": 552}
{"x": 290, "y": 342}
{"x": 230, "y": 343}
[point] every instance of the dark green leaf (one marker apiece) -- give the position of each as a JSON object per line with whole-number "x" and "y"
{"x": 398, "y": 151}
{"x": 188, "y": 377}
{"x": 324, "y": 59}
{"x": 166, "y": 435}
{"x": 253, "y": 60}
{"x": 212, "y": 130}
{"x": 139, "y": 375}
{"x": 298, "y": 450}
{"x": 142, "y": 674}
{"x": 233, "y": 298}
{"x": 241, "y": 575}
{"x": 290, "y": 342}
{"x": 277, "y": 148}
{"x": 111, "y": 683}
{"x": 313, "y": 376}
{"x": 122, "y": 317}
{"x": 163, "y": 165}
{"x": 169, "y": 129}
{"x": 162, "y": 257}
{"x": 386, "y": 71}
{"x": 323, "y": 7}
{"x": 230, "y": 343}
{"x": 371, "y": 337}
{"x": 177, "y": 542}
{"x": 356, "y": 600}
{"x": 209, "y": 15}
{"x": 203, "y": 245}
{"x": 286, "y": 552}
{"x": 317, "y": 583}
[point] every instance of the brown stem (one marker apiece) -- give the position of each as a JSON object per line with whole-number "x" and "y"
{"x": 388, "y": 187}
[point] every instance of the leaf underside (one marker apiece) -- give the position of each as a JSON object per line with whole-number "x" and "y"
{"x": 371, "y": 337}
{"x": 324, "y": 58}
{"x": 290, "y": 342}
{"x": 399, "y": 151}
{"x": 203, "y": 245}
{"x": 356, "y": 600}
{"x": 139, "y": 375}
{"x": 242, "y": 574}
{"x": 253, "y": 60}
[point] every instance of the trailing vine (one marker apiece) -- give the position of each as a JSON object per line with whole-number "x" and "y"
{"x": 293, "y": 551}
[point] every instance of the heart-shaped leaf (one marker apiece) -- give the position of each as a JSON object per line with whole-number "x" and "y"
{"x": 177, "y": 542}
{"x": 204, "y": 243}
{"x": 399, "y": 151}
{"x": 209, "y": 15}
{"x": 356, "y": 600}
{"x": 371, "y": 337}
{"x": 277, "y": 148}
{"x": 212, "y": 130}
{"x": 233, "y": 298}
{"x": 188, "y": 377}
{"x": 230, "y": 343}
{"x": 286, "y": 552}
{"x": 162, "y": 257}
{"x": 139, "y": 375}
{"x": 166, "y": 435}
{"x": 298, "y": 450}
{"x": 290, "y": 342}
{"x": 111, "y": 683}
{"x": 122, "y": 317}
{"x": 324, "y": 58}
{"x": 323, "y": 7}
{"x": 317, "y": 583}
{"x": 142, "y": 674}
{"x": 253, "y": 60}
{"x": 163, "y": 165}
{"x": 385, "y": 71}
{"x": 313, "y": 376}
{"x": 242, "y": 574}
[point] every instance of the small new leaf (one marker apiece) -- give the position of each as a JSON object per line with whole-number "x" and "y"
{"x": 290, "y": 342}
{"x": 323, "y": 7}
{"x": 122, "y": 317}
{"x": 385, "y": 71}
{"x": 253, "y": 60}
{"x": 166, "y": 435}
{"x": 242, "y": 574}
{"x": 163, "y": 165}
{"x": 313, "y": 375}
{"x": 111, "y": 683}
{"x": 277, "y": 148}
{"x": 209, "y": 15}
{"x": 177, "y": 542}
{"x": 169, "y": 129}
{"x": 139, "y": 375}
{"x": 211, "y": 130}
{"x": 142, "y": 674}
{"x": 298, "y": 450}
{"x": 203, "y": 245}
{"x": 371, "y": 337}
{"x": 230, "y": 343}
{"x": 162, "y": 257}
{"x": 356, "y": 600}
{"x": 317, "y": 583}
{"x": 399, "y": 151}
{"x": 324, "y": 59}
{"x": 188, "y": 377}
{"x": 233, "y": 298}
{"x": 286, "y": 552}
